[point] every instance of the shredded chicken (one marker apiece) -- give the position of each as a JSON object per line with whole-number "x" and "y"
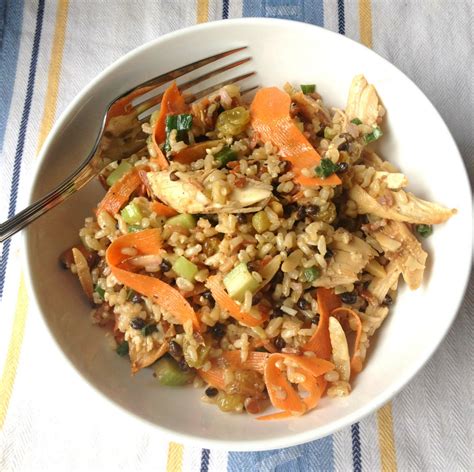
{"x": 347, "y": 262}
{"x": 363, "y": 102}
{"x": 406, "y": 207}
{"x": 189, "y": 194}
{"x": 404, "y": 251}
{"x": 140, "y": 358}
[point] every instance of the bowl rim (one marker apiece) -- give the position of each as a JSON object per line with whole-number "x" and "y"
{"x": 292, "y": 439}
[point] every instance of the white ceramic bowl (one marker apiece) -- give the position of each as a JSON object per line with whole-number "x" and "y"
{"x": 416, "y": 139}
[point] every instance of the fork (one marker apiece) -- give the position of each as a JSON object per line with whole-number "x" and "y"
{"x": 119, "y": 140}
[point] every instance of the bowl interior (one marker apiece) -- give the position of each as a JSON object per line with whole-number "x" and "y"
{"x": 415, "y": 139}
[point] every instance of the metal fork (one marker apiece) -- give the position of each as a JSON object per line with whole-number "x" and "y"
{"x": 117, "y": 140}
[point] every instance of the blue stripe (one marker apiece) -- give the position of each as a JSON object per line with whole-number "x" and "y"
{"x": 341, "y": 25}
{"x": 21, "y": 137}
{"x": 309, "y": 11}
{"x": 11, "y": 17}
{"x": 225, "y": 9}
{"x": 205, "y": 455}
{"x": 356, "y": 449}
{"x": 316, "y": 456}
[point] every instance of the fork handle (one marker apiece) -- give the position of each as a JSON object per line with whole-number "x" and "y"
{"x": 72, "y": 184}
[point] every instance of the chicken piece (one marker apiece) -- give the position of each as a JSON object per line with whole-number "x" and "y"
{"x": 140, "y": 358}
{"x": 379, "y": 287}
{"x": 191, "y": 193}
{"x": 404, "y": 207}
{"x": 363, "y": 102}
{"x": 347, "y": 262}
{"x": 404, "y": 250}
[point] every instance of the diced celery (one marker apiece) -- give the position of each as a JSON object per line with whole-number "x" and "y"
{"x": 131, "y": 214}
{"x": 238, "y": 281}
{"x": 168, "y": 373}
{"x": 185, "y": 268}
{"x": 184, "y": 220}
{"x": 260, "y": 222}
{"x": 119, "y": 172}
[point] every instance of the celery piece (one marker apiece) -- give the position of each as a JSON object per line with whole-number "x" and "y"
{"x": 238, "y": 281}
{"x": 185, "y": 268}
{"x": 118, "y": 173}
{"x": 184, "y": 220}
{"x": 131, "y": 214}
{"x": 168, "y": 373}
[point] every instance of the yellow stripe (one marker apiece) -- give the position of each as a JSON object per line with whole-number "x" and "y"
{"x": 14, "y": 348}
{"x": 365, "y": 21}
{"x": 202, "y": 11}
{"x": 388, "y": 457}
{"x": 386, "y": 439}
{"x": 54, "y": 72}
{"x": 175, "y": 458}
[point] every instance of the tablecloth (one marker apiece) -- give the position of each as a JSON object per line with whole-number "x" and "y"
{"x": 49, "y": 50}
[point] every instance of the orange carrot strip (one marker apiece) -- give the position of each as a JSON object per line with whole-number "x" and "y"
{"x": 311, "y": 365}
{"x": 226, "y": 303}
{"x": 270, "y": 117}
{"x": 320, "y": 342}
{"x": 281, "y": 393}
{"x": 148, "y": 242}
{"x": 315, "y": 386}
{"x": 255, "y": 361}
{"x": 214, "y": 377}
{"x": 120, "y": 192}
{"x": 172, "y": 103}
{"x": 163, "y": 210}
{"x": 356, "y": 361}
{"x": 194, "y": 152}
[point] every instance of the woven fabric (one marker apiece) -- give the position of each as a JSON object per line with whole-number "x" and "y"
{"x": 49, "y": 50}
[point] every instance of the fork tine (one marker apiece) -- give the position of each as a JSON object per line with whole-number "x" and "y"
{"x": 145, "y": 113}
{"x": 213, "y": 88}
{"x": 147, "y": 104}
{"x": 251, "y": 89}
{"x": 174, "y": 74}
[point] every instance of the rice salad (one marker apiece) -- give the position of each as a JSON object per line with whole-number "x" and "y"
{"x": 253, "y": 247}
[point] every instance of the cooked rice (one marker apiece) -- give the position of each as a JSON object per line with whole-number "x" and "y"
{"x": 319, "y": 232}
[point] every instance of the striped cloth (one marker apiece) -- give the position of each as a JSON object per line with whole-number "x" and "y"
{"x": 50, "y": 420}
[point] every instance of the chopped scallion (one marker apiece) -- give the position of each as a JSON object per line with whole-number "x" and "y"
{"x": 356, "y": 121}
{"x": 122, "y": 349}
{"x": 149, "y": 329}
{"x": 100, "y": 291}
{"x": 225, "y": 155}
{"x": 181, "y": 123}
{"x": 311, "y": 274}
{"x": 326, "y": 168}
{"x": 376, "y": 134}
{"x": 308, "y": 88}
